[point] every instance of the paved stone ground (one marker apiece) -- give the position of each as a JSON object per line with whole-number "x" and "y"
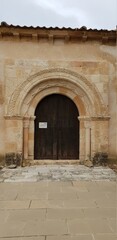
{"x": 56, "y": 173}
{"x": 58, "y": 203}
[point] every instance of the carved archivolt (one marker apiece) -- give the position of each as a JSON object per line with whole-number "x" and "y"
{"x": 50, "y": 79}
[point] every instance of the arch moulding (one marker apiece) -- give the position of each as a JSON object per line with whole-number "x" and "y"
{"x": 52, "y": 80}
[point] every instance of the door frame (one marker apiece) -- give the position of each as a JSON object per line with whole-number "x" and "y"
{"x": 73, "y": 110}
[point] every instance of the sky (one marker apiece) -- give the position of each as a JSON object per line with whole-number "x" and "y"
{"x": 100, "y": 14}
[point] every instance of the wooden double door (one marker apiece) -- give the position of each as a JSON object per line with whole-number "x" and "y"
{"x": 56, "y": 129}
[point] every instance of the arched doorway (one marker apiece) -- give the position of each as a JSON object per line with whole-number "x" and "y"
{"x": 83, "y": 93}
{"x": 56, "y": 128}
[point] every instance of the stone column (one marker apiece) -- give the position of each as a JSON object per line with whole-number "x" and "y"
{"x": 81, "y": 139}
{"x": 31, "y": 138}
{"x": 87, "y": 140}
{"x": 85, "y": 137}
{"x": 25, "y": 136}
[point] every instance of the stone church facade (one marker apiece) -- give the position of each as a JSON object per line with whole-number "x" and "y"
{"x": 36, "y": 63}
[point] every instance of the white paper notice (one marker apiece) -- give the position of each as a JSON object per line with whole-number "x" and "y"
{"x": 42, "y": 124}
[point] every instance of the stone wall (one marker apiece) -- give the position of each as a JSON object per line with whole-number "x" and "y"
{"x": 2, "y": 110}
{"x": 94, "y": 61}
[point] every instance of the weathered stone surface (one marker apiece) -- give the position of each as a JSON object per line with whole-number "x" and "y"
{"x": 57, "y": 173}
{"x": 13, "y": 160}
{"x": 12, "y": 166}
{"x": 84, "y": 72}
{"x": 88, "y": 163}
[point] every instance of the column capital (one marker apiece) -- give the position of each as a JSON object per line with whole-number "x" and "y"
{"x": 32, "y": 118}
{"x": 84, "y": 118}
{"x": 93, "y": 118}
{"x": 13, "y": 117}
{"x": 100, "y": 118}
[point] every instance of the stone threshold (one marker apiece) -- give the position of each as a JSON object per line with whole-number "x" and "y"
{"x": 50, "y": 162}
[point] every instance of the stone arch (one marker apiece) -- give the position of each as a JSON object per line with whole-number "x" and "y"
{"x": 29, "y": 104}
{"x": 70, "y": 83}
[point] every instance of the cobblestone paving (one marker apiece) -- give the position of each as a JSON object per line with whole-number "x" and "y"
{"x": 56, "y": 173}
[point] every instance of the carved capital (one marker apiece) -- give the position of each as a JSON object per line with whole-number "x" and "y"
{"x": 84, "y": 118}
{"x": 13, "y": 117}
{"x": 94, "y": 118}
{"x": 100, "y": 118}
{"x": 32, "y": 118}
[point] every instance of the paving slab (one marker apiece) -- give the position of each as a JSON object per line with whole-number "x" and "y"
{"x": 11, "y": 230}
{"x": 78, "y": 237}
{"x": 99, "y": 213}
{"x": 113, "y": 224}
{"x": 27, "y": 215}
{"x": 78, "y": 226}
{"x": 79, "y": 203}
{"x": 25, "y": 238}
{"x": 62, "y": 195}
{"x": 89, "y": 226}
{"x": 99, "y": 226}
{"x": 48, "y": 227}
{"x": 105, "y": 237}
{"x": 58, "y": 203}
{"x": 65, "y": 214}
{"x": 14, "y": 204}
{"x": 32, "y": 194}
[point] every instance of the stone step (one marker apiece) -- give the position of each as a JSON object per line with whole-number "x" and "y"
{"x": 49, "y": 162}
